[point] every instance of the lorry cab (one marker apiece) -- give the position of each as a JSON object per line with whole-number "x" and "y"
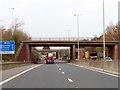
{"x": 49, "y": 59}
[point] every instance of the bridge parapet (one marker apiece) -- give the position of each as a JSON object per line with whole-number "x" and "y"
{"x": 62, "y": 38}
{"x": 91, "y": 39}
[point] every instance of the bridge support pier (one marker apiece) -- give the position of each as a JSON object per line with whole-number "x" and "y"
{"x": 118, "y": 51}
{"x": 111, "y": 51}
{"x": 114, "y": 52}
{"x": 72, "y": 52}
{"x": 56, "y": 55}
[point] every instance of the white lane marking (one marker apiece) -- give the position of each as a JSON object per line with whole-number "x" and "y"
{"x": 76, "y": 87}
{"x": 94, "y": 69}
{"x": 57, "y": 65}
{"x": 18, "y": 75}
{"x": 70, "y": 80}
{"x": 103, "y": 72}
{"x": 76, "y": 65}
{"x": 63, "y": 72}
{"x": 59, "y": 68}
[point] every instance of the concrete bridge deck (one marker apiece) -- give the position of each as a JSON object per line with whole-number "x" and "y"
{"x": 67, "y": 43}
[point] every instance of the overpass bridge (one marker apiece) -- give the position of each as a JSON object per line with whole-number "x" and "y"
{"x": 24, "y": 52}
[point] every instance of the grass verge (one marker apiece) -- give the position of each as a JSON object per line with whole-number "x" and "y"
{"x": 10, "y": 66}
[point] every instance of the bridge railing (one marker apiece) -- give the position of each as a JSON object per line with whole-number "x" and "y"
{"x": 62, "y": 38}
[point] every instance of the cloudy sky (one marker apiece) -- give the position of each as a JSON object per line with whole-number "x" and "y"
{"x": 53, "y": 18}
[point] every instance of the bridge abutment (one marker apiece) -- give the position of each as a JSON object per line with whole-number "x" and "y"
{"x": 119, "y": 51}
{"x": 24, "y": 53}
{"x": 21, "y": 54}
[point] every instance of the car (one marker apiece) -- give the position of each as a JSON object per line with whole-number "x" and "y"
{"x": 60, "y": 58}
{"x": 108, "y": 58}
{"x": 49, "y": 60}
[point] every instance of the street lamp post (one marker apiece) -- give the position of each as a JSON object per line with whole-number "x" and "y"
{"x": 69, "y": 39}
{"x": 103, "y": 31}
{"x": 12, "y": 28}
{"x": 77, "y": 15}
{"x": 12, "y": 21}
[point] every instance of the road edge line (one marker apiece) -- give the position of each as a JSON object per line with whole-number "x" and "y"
{"x": 1, "y": 83}
{"x": 70, "y": 80}
{"x": 95, "y": 69}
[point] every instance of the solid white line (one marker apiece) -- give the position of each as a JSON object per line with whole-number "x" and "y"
{"x": 103, "y": 72}
{"x": 63, "y": 72}
{"x": 94, "y": 69}
{"x": 70, "y": 80}
{"x": 18, "y": 75}
{"x": 76, "y": 87}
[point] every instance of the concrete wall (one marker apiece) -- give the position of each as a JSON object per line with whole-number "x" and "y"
{"x": 108, "y": 66}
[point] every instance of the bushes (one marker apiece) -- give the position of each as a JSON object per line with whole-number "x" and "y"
{"x": 35, "y": 55}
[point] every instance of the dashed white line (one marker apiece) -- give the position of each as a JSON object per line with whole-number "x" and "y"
{"x": 70, "y": 80}
{"x": 57, "y": 65}
{"x": 63, "y": 72}
{"x": 18, "y": 75}
{"x": 59, "y": 68}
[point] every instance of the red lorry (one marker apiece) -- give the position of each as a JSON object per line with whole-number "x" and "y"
{"x": 49, "y": 59}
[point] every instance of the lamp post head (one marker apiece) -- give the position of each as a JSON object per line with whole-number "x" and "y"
{"x": 77, "y": 14}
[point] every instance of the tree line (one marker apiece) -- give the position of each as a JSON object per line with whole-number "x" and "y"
{"x": 16, "y": 33}
{"x": 112, "y": 33}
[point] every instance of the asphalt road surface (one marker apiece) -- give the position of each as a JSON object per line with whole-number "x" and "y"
{"x": 62, "y": 75}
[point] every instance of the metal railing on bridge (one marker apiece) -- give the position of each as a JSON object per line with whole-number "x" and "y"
{"x": 62, "y": 38}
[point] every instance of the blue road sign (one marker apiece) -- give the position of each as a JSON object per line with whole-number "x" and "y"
{"x": 7, "y": 47}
